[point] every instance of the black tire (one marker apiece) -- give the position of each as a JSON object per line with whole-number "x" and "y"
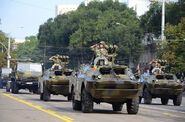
{"x": 35, "y": 89}
{"x": 117, "y": 107}
{"x": 46, "y": 94}
{"x": 8, "y": 87}
{"x": 133, "y": 106}
{"x": 177, "y": 100}
{"x": 140, "y": 99}
{"x": 15, "y": 88}
{"x": 1, "y": 85}
{"x": 147, "y": 96}
{"x": 164, "y": 101}
{"x": 76, "y": 104}
{"x": 41, "y": 96}
{"x": 87, "y": 102}
{"x": 69, "y": 97}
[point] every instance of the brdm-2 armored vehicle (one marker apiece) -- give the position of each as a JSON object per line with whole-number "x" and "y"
{"x": 159, "y": 84}
{"x": 104, "y": 81}
{"x": 55, "y": 80}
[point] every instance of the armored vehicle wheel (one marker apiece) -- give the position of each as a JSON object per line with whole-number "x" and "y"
{"x": 35, "y": 90}
{"x": 117, "y": 107}
{"x": 87, "y": 102}
{"x": 140, "y": 99}
{"x": 177, "y": 100}
{"x": 164, "y": 101}
{"x": 69, "y": 97}
{"x": 46, "y": 94}
{"x": 133, "y": 105}
{"x": 41, "y": 96}
{"x": 1, "y": 85}
{"x": 76, "y": 104}
{"x": 8, "y": 87}
{"x": 15, "y": 88}
{"x": 147, "y": 96}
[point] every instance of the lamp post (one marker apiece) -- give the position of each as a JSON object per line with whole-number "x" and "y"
{"x": 163, "y": 21}
{"x": 8, "y": 52}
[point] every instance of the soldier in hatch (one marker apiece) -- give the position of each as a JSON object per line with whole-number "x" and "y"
{"x": 100, "y": 49}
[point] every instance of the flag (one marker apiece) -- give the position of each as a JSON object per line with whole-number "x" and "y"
{"x": 94, "y": 67}
{"x": 138, "y": 68}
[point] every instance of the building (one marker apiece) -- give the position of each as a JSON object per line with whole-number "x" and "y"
{"x": 17, "y": 42}
{"x": 86, "y": 2}
{"x": 64, "y": 9}
{"x": 140, "y": 6}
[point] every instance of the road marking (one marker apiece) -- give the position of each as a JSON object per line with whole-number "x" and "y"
{"x": 65, "y": 118}
{"x": 162, "y": 109}
{"x": 170, "y": 115}
{"x": 142, "y": 109}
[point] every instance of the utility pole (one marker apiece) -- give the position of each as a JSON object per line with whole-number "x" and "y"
{"x": 44, "y": 55}
{"x": 8, "y": 54}
{"x": 163, "y": 21}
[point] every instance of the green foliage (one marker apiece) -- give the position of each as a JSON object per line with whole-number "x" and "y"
{"x": 151, "y": 20}
{"x": 174, "y": 50}
{"x": 3, "y": 49}
{"x": 75, "y": 32}
{"x": 29, "y": 49}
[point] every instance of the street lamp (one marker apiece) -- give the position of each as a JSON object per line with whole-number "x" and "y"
{"x": 8, "y": 52}
{"x": 163, "y": 21}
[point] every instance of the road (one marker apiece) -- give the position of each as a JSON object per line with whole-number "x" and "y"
{"x": 27, "y": 107}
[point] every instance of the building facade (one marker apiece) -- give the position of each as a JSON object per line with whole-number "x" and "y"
{"x": 88, "y": 1}
{"x": 64, "y": 9}
{"x": 140, "y": 6}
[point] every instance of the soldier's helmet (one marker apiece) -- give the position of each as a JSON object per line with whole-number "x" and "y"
{"x": 102, "y": 42}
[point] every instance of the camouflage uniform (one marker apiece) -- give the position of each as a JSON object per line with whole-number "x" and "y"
{"x": 59, "y": 61}
{"x": 100, "y": 52}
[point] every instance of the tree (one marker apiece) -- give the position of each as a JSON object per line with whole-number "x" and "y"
{"x": 75, "y": 32}
{"x": 173, "y": 49}
{"x": 151, "y": 20}
{"x": 29, "y": 49}
{"x": 3, "y": 47}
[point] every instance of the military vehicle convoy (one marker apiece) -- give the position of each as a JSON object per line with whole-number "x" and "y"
{"x": 159, "y": 84}
{"x": 55, "y": 80}
{"x": 104, "y": 81}
{"x": 5, "y": 76}
{"x": 25, "y": 76}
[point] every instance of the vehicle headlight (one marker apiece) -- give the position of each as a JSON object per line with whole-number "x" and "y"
{"x": 99, "y": 76}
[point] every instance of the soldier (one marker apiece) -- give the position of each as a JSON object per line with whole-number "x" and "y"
{"x": 55, "y": 59}
{"x": 100, "y": 49}
{"x": 56, "y": 62}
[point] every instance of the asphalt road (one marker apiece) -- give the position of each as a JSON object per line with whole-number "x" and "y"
{"x": 26, "y": 107}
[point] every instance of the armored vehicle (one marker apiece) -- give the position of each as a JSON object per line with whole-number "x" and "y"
{"x": 25, "y": 76}
{"x": 5, "y": 76}
{"x": 104, "y": 81}
{"x": 158, "y": 84}
{"x": 55, "y": 80}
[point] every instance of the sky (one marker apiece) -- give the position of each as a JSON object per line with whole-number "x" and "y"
{"x": 21, "y": 18}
